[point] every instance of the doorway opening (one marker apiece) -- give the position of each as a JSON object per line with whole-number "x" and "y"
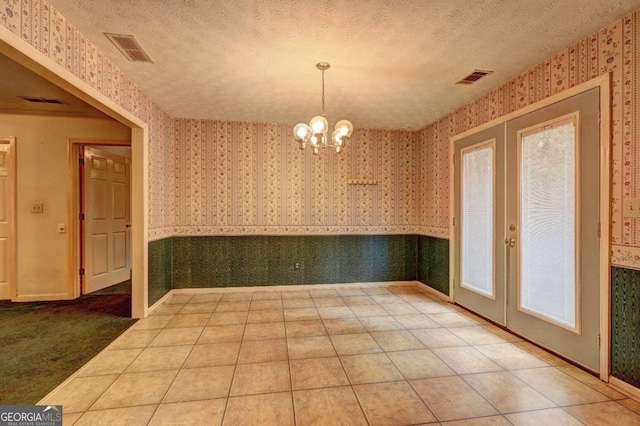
{"x": 103, "y": 192}
{"x": 50, "y": 75}
{"x": 7, "y": 217}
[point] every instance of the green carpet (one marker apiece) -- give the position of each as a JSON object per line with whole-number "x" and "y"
{"x": 122, "y": 288}
{"x": 43, "y": 343}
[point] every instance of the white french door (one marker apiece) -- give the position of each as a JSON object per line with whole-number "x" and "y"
{"x": 479, "y": 164}
{"x": 554, "y": 266}
{"x": 527, "y": 204}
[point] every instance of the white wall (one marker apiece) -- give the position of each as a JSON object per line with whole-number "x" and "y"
{"x": 42, "y": 175}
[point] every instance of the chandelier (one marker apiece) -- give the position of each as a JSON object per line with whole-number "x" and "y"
{"x": 315, "y": 133}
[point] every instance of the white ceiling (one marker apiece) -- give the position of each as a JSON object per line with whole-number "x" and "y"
{"x": 19, "y": 81}
{"x": 393, "y": 62}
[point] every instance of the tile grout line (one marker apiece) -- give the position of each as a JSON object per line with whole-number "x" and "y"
{"x": 121, "y": 373}
{"x": 178, "y": 372}
{"x": 118, "y": 376}
{"x": 286, "y": 337}
{"x": 406, "y": 379}
{"x": 458, "y": 419}
{"x": 235, "y": 367}
{"x": 588, "y": 384}
{"x": 348, "y": 378}
{"x": 518, "y": 379}
{"x": 91, "y": 361}
{"x": 455, "y": 375}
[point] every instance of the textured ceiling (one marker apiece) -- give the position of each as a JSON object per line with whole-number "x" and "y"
{"x": 393, "y": 62}
{"x": 19, "y": 81}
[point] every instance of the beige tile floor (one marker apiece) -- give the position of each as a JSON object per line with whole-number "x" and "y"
{"x": 350, "y": 356}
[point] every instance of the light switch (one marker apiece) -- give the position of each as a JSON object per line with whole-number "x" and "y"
{"x": 62, "y": 228}
{"x": 631, "y": 207}
{"x": 37, "y": 208}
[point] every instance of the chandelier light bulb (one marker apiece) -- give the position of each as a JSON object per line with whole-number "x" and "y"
{"x": 319, "y": 124}
{"x": 302, "y": 132}
{"x": 344, "y": 127}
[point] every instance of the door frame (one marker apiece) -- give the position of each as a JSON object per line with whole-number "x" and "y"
{"x": 73, "y": 208}
{"x": 11, "y": 213}
{"x": 604, "y": 83}
{"x": 12, "y": 46}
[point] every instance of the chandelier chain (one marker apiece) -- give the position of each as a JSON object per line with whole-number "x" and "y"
{"x": 323, "y": 92}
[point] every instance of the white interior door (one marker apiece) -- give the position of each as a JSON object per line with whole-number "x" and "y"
{"x": 106, "y": 233}
{"x": 7, "y": 194}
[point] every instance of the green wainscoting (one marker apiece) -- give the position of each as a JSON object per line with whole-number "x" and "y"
{"x": 230, "y": 261}
{"x": 160, "y": 265}
{"x": 234, "y": 261}
{"x": 433, "y": 263}
{"x": 625, "y": 325}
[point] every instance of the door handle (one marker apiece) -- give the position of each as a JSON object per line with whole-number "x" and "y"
{"x": 128, "y": 225}
{"x": 511, "y": 242}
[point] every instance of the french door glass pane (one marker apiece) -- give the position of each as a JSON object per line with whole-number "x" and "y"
{"x": 547, "y": 223}
{"x": 477, "y": 220}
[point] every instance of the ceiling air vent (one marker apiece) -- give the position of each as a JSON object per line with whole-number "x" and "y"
{"x": 129, "y": 46}
{"x": 36, "y": 100}
{"x": 474, "y": 76}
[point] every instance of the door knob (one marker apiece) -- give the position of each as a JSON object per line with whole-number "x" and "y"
{"x": 128, "y": 225}
{"x": 511, "y": 242}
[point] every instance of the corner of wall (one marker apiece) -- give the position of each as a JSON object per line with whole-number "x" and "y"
{"x": 433, "y": 263}
{"x": 160, "y": 269}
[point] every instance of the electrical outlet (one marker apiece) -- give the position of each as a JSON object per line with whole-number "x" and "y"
{"x": 631, "y": 207}
{"x": 62, "y": 228}
{"x": 37, "y": 208}
{"x": 296, "y": 265}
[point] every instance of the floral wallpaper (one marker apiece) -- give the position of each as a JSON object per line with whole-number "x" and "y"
{"x": 614, "y": 50}
{"x": 44, "y": 28}
{"x": 238, "y": 178}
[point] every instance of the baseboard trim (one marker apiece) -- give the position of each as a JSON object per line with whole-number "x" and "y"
{"x": 432, "y": 291}
{"x": 159, "y": 302}
{"x": 295, "y": 287}
{"x": 5, "y": 292}
{"x": 624, "y": 387}
{"x": 43, "y": 298}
